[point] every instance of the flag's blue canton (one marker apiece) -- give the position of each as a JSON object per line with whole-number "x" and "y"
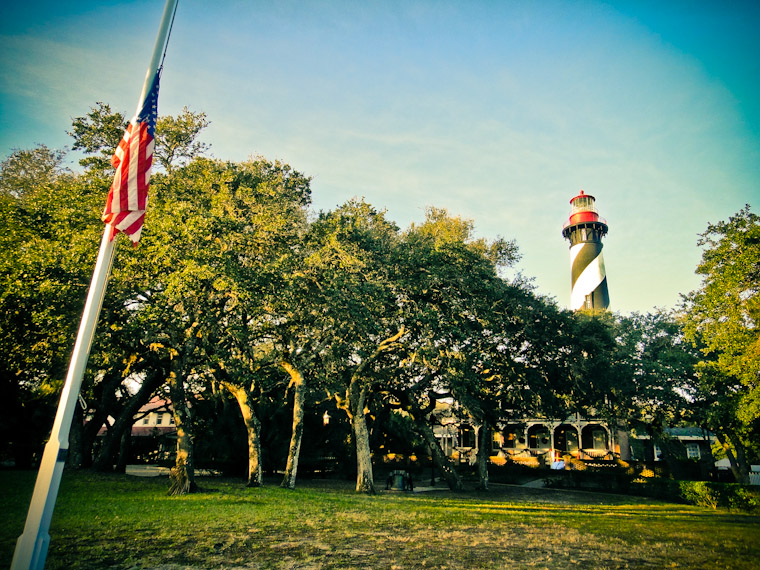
{"x": 149, "y": 112}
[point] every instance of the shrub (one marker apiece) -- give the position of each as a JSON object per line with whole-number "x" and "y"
{"x": 514, "y": 473}
{"x": 611, "y": 479}
{"x": 663, "y": 489}
{"x": 744, "y": 498}
{"x": 700, "y": 493}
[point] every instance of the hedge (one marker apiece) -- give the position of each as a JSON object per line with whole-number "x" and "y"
{"x": 701, "y": 493}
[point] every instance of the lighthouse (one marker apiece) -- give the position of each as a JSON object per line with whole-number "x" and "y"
{"x": 585, "y": 229}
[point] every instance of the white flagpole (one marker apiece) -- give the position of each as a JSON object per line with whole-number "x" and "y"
{"x": 32, "y": 545}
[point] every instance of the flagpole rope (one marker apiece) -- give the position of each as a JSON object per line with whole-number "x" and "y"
{"x": 168, "y": 36}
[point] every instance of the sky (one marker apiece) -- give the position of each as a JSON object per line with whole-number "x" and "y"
{"x": 499, "y": 111}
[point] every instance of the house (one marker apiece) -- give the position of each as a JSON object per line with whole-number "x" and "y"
{"x": 692, "y": 443}
{"x": 686, "y": 451}
{"x": 153, "y": 432}
{"x": 540, "y": 442}
{"x": 154, "y": 435}
{"x": 536, "y": 442}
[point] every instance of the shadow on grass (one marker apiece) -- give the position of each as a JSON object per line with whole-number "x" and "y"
{"x": 123, "y": 522}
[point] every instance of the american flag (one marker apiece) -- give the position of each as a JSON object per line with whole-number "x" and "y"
{"x": 128, "y": 196}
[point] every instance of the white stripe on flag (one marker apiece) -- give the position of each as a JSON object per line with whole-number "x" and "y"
{"x": 134, "y": 163}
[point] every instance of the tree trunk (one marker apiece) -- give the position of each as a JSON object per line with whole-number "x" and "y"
{"x": 354, "y": 405}
{"x": 439, "y": 458}
{"x": 741, "y": 459}
{"x": 75, "y": 458}
{"x": 89, "y": 435}
{"x": 253, "y": 428}
{"x": 357, "y": 399}
{"x": 364, "y": 476}
{"x": 105, "y": 404}
{"x": 299, "y": 399}
{"x": 105, "y": 458}
{"x": 669, "y": 449}
{"x": 182, "y": 475}
{"x": 104, "y": 461}
{"x": 125, "y": 451}
{"x": 736, "y": 460}
{"x": 484, "y": 452}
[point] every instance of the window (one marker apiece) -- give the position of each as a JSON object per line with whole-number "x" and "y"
{"x": 583, "y": 204}
{"x": 600, "y": 439}
{"x": 510, "y": 438}
{"x": 466, "y": 437}
{"x": 497, "y": 441}
{"x": 594, "y": 436}
{"x": 146, "y": 420}
{"x": 692, "y": 451}
{"x": 566, "y": 438}
{"x": 539, "y": 437}
{"x": 159, "y": 419}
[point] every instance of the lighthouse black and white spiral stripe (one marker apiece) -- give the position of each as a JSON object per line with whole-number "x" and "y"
{"x": 589, "y": 277}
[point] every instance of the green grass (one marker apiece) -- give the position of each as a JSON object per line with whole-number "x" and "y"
{"x": 128, "y": 522}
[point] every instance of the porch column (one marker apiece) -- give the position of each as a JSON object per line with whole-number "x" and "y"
{"x": 552, "y": 428}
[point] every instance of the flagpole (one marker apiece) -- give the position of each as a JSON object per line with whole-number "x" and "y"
{"x": 32, "y": 545}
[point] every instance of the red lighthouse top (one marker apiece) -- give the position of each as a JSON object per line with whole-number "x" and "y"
{"x": 583, "y": 210}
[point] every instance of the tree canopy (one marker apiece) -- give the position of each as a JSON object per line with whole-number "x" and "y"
{"x": 722, "y": 319}
{"x": 245, "y": 308}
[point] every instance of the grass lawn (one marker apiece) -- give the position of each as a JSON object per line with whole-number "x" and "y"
{"x": 119, "y": 521}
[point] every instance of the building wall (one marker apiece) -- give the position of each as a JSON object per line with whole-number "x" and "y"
{"x": 156, "y": 419}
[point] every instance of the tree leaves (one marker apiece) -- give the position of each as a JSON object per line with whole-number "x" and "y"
{"x": 722, "y": 319}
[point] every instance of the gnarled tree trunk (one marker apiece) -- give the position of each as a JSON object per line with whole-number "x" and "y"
{"x": 299, "y": 399}
{"x": 484, "y": 449}
{"x": 253, "y": 428}
{"x": 75, "y": 459}
{"x": 107, "y": 453}
{"x": 107, "y": 404}
{"x": 125, "y": 451}
{"x": 355, "y": 405}
{"x": 182, "y": 475}
{"x": 89, "y": 435}
{"x": 439, "y": 457}
{"x": 737, "y": 460}
{"x": 357, "y": 400}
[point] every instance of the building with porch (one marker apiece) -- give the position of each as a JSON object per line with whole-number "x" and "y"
{"x": 534, "y": 442}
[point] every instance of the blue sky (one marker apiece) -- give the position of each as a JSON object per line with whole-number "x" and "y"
{"x": 499, "y": 111}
